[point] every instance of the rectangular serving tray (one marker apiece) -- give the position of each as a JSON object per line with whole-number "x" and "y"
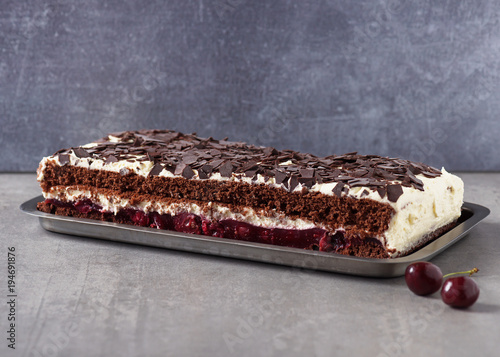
{"x": 472, "y": 214}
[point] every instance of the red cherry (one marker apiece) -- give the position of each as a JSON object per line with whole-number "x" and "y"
{"x": 83, "y": 206}
{"x": 460, "y": 291}
{"x": 423, "y": 278}
{"x": 187, "y": 223}
{"x": 140, "y": 218}
{"x": 243, "y": 231}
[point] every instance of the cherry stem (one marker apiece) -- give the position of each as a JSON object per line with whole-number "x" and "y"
{"x": 470, "y": 272}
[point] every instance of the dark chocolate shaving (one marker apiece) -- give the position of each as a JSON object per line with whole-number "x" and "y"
{"x": 63, "y": 159}
{"x": 381, "y": 191}
{"x": 207, "y": 169}
{"x": 252, "y": 165}
{"x": 285, "y": 183}
{"x": 279, "y": 176}
{"x": 307, "y": 182}
{"x": 189, "y": 159}
{"x": 202, "y": 175}
{"x": 393, "y": 192}
{"x": 270, "y": 151}
{"x": 415, "y": 169}
{"x": 307, "y": 173}
{"x": 110, "y": 159}
{"x": 188, "y": 172}
{"x": 226, "y": 170}
{"x": 250, "y": 173}
{"x": 81, "y": 152}
{"x": 337, "y": 190}
{"x": 294, "y": 181}
{"x": 216, "y": 163}
{"x": 155, "y": 171}
{"x": 179, "y": 169}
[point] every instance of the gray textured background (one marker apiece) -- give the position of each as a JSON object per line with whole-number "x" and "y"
{"x": 416, "y": 79}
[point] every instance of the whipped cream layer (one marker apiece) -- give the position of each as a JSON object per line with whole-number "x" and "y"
{"x": 211, "y": 210}
{"x": 419, "y": 213}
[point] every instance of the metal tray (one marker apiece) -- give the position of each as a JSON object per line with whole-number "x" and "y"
{"x": 472, "y": 214}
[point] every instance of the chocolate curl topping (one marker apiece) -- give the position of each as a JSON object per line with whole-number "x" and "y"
{"x": 226, "y": 170}
{"x": 307, "y": 182}
{"x": 279, "y": 176}
{"x": 188, "y": 172}
{"x": 176, "y": 151}
{"x": 111, "y": 159}
{"x": 179, "y": 169}
{"x": 207, "y": 169}
{"x": 63, "y": 159}
{"x": 155, "y": 171}
{"x": 393, "y": 192}
{"x": 202, "y": 175}
{"x": 337, "y": 190}
{"x": 294, "y": 182}
{"x": 81, "y": 152}
{"x": 307, "y": 173}
{"x": 381, "y": 191}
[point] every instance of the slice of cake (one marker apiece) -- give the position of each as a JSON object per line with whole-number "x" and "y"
{"x": 362, "y": 205}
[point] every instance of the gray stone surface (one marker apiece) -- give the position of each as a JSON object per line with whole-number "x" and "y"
{"x": 416, "y": 79}
{"x": 85, "y": 297}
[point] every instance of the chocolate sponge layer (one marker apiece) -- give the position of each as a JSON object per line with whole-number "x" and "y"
{"x": 363, "y": 218}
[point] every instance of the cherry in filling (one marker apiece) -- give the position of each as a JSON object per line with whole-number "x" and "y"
{"x": 313, "y": 238}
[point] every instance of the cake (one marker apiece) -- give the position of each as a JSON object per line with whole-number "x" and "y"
{"x": 360, "y": 205}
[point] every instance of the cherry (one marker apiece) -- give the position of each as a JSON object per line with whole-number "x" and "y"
{"x": 161, "y": 221}
{"x": 266, "y": 235}
{"x": 83, "y": 206}
{"x": 140, "y": 218}
{"x": 187, "y": 223}
{"x": 460, "y": 291}
{"x": 325, "y": 243}
{"x": 243, "y": 231}
{"x": 423, "y": 278}
{"x": 212, "y": 228}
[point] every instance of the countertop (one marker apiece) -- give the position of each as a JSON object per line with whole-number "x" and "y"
{"x": 86, "y": 297}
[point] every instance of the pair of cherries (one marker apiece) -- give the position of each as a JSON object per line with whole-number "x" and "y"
{"x": 424, "y": 278}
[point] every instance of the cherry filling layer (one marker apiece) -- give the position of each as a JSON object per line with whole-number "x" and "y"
{"x": 313, "y": 238}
